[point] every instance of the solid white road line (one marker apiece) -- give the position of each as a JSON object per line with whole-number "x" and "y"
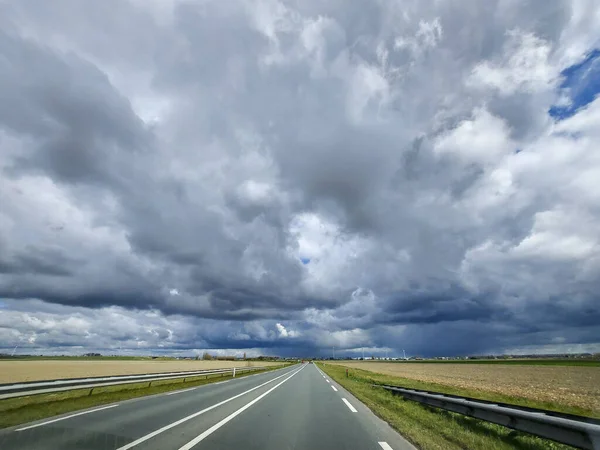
{"x": 352, "y": 408}
{"x": 196, "y": 414}
{"x": 334, "y": 388}
{"x": 66, "y": 417}
{"x": 218, "y": 425}
{"x": 385, "y": 446}
{"x": 179, "y": 392}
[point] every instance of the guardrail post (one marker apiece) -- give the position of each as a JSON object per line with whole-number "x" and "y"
{"x": 233, "y": 373}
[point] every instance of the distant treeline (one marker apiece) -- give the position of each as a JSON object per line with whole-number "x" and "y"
{"x": 208, "y": 357}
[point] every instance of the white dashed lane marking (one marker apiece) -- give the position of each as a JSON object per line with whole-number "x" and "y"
{"x": 350, "y": 407}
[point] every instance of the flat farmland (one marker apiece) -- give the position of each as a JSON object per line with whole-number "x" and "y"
{"x": 36, "y": 370}
{"x": 564, "y": 385}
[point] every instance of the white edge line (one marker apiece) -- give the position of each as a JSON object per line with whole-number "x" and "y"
{"x": 334, "y": 388}
{"x": 180, "y": 392}
{"x": 327, "y": 380}
{"x": 350, "y": 407}
{"x": 218, "y": 425}
{"x": 66, "y": 417}
{"x": 191, "y": 416}
{"x": 385, "y": 446}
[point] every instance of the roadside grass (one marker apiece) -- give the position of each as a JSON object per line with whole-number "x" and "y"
{"x": 431, "y": 428}
{"x": 19, "y": 410}
{"x": 510, "y": 362}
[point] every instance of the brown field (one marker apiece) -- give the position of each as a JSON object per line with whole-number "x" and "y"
{"x": 15, "y": 371}
{"x": 568, "y": 385}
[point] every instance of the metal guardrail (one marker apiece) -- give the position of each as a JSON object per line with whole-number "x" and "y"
{"x": 577, "y": 431}
{"x": 44, "y": 387}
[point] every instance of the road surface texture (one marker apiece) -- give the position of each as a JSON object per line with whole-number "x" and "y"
{"x": 297, "y": 408}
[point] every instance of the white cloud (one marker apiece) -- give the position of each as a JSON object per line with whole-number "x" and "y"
{"x": 483, "y": 139}
{"x": 556, "y": 235}
{"x": 524, "y": 65}
{"x": 284, "y": 333}
{"x": 428, "y": 35}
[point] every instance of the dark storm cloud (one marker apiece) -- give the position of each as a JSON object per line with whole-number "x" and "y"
{"x": 281, "y": 176}
{"x": 443, "y": 307}
{"x": 69, "y": 107}
{"x": 41, "y": 262}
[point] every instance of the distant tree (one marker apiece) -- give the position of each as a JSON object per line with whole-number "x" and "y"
{"x": 244, "y": 355}
{"x": 207, "y": 356}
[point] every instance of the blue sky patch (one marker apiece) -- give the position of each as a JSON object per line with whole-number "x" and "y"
{"x": 305, "y": 261}
{"x": 581, "y": 83}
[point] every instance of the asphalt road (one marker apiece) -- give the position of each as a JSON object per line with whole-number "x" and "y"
{"x": 295, "y": 408}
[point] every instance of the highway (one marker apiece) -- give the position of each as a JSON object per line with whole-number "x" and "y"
{"x": 297, "y": 407}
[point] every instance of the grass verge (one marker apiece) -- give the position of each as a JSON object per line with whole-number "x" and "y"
{"x": 15, "y": 411}
{"x": 430, "y": 428}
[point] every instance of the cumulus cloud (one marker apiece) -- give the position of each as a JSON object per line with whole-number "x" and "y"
{"x": 284, "y": 333}
{"x": 523, "y": 65}
{"x": 286, "y": 177}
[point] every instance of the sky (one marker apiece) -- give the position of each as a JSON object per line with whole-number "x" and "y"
{"x": 289, "y": 177}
